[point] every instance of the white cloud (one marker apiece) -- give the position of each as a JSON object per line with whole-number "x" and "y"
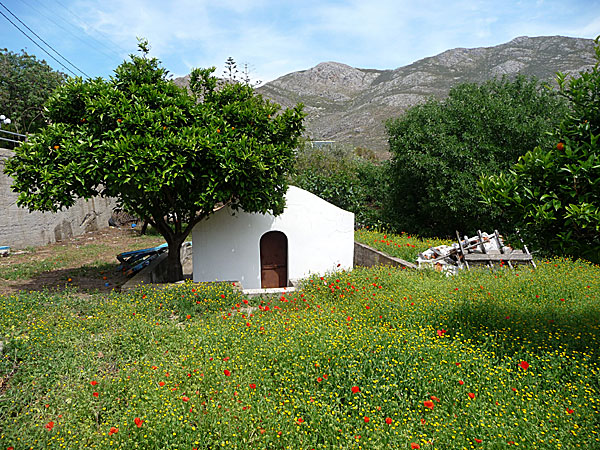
{"x": 279, "y": 37}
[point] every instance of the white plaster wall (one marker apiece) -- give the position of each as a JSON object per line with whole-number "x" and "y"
{"x": 320, "y": 239}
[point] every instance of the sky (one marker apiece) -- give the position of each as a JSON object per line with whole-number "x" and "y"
{"x": 272, "y": 38}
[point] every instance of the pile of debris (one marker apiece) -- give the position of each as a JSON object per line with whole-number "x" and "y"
{"x": 483, "y": 249}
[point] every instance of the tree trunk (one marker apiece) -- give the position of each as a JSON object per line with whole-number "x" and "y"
{"x": 174, "y": 270}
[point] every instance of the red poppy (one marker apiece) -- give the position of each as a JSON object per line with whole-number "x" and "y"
{"x": 93, "y": 383}
{"x": 138, "y": 422}
{"x": 319, "y": 379}
{"x": 440, "y": 333}
{"x": 435, "y": 399}
{"x": 222, "y": 295}
{"x": 479, "y": 441}
{"x": 154, "y": 367}
{"x": 367, "y": 419}
{"x": 300, "y": 420}
{"x": 461, "y": 382}
{"x": 524, "y": 365}
{"x": 471, "y": 395}
{"x": 49, "y": 425}
{"x": 161, "y": 383}
{"x": 185, "y": 399}
{"x": 188, "y": 316}
{"x": 414, "y": 445}
{"x": 95, "y": 394}
{"x": 112, "y": 431}
{"x": 428, "y": 404}
{"x": 227, "y": 372}
{"x": 252, "y": 386}
{"x": 355, "y": 389}
{"x": 388, "y": 421}
{"x": 560, "y": 146}
{"x": 569, "y": 411}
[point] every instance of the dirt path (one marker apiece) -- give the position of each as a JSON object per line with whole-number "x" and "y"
{"x": 87, "y": 263}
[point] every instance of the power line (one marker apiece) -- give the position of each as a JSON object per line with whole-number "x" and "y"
{"x": 80, "y": 20}
{"x": 41, "y": 48}
{"x": 52, "y": 48}
{"x": 76, "y": 36}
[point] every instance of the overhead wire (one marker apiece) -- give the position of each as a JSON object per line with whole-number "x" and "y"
{"x": 41, "y": 39}
{"x": 80, "y": 20}
{"x": 41, "y": 48}
{"x": 75, "y": 35}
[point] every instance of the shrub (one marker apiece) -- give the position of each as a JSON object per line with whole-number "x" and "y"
{"x": 440, "y": 148}
{"x": 553, "y": 191}
{"x": 339, "y": 176}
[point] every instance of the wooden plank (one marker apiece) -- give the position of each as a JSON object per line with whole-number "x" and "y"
{"x": 462, "y": 250}
{"x": 497, "y": 257}
{"x": 501, "y": 245}
{"x": 489, "y": 262}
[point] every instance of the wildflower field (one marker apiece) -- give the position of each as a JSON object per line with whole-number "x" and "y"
{"x": 375, "y": 358}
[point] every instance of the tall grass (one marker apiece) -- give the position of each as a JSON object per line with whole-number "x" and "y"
{"x": 374, "y": 359}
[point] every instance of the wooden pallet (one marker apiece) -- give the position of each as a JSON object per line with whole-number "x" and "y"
{"x": 467, "y": 255}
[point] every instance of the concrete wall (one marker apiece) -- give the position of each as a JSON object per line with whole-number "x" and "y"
{"x": 19, "y": 228}
{"x": 320, "y": 239}
{"x": 366, "y": 256}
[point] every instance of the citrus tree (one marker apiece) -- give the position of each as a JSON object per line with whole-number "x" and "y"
{"x": 168, "y": 155}
{"x": 553, "y": 192}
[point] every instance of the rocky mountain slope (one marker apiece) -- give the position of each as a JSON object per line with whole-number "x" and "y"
{"x": 350, "y": 105}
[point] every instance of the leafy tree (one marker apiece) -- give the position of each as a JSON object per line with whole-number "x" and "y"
{"x": 553, "y": 192}
{"x": 167, "y": 155}
{"x": 342, "y": 177}
{"x": 440, "y": 148}
{"x": 25, "y": 85}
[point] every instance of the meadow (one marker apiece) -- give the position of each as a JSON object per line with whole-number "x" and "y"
{"x": 378, "y": 358}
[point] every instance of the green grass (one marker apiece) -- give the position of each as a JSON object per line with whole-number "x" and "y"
{"x": 403, "y": 246}
{"x": 199, "y": 370}
{"x": 69, "y": 256}
{"x": 28, "y": 270}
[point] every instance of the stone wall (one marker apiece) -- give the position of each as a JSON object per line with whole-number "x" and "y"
{"x": 19, "y": 228}
{"x": 366, "y": 256}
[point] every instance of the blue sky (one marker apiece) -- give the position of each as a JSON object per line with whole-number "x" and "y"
{"x": 278, "y": 37}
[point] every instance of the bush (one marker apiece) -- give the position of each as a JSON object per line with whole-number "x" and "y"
{"x": 440, "y": 148}
{"x": 553, "y": 192}
{"x": 339, "y": 176}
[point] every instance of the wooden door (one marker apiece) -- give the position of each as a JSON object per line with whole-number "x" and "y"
{"x": 273, "y": 260}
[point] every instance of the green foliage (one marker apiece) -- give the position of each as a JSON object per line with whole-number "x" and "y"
{"x": 338, "y": 175}
{"x": 202, "y": 367}
{"x": 553, "y": 192}
{"x": 439, "y": 150}
{"x": 166, "y": 155}
{"x": 25, "y": 85}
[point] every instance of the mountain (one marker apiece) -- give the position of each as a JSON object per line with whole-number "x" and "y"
{"x": 350, "y": 105}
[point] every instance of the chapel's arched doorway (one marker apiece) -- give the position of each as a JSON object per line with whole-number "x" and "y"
{"x": 273, "y": 260}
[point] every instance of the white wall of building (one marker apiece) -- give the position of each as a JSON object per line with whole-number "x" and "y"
{"x": 320, "y": 239}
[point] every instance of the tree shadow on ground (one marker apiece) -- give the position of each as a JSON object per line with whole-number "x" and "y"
{"x": 88, "y": 279}
{"x": 545, "y": 330}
